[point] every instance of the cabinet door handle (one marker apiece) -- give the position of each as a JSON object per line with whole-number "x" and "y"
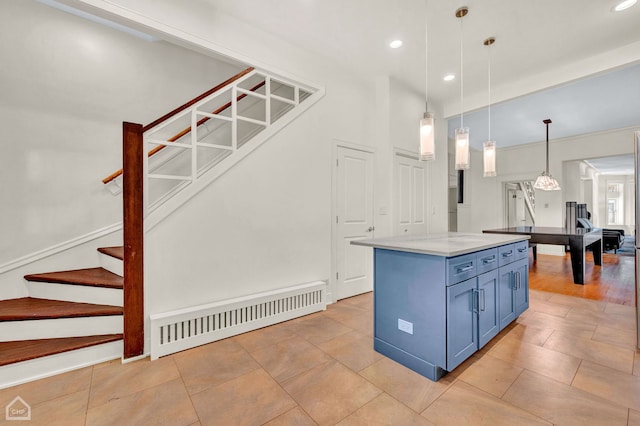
{"x": 517, "y": 280}
{"x": 464, "y": 268}
{"x": 507, "y": 253}
{"x": 523, "y": 249}
{"x": 488, "y": 260}
{"x": 475, "y": 301}
{"x": 484, "y": 302}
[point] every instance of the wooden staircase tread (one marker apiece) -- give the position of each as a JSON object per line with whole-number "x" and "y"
{"x": 29, "y": 308}
{"x": 96, "y": 277}
{"x": 117, "y": 252}
{"x": 18, "y": 351}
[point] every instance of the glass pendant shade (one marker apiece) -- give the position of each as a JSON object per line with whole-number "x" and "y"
{"x": 462, "y": 148}
{"x": 489, "y": 147}
{"x": 489, "y": 155}
{"x": 427, "y": 139}
{"x": 546, "y": 182}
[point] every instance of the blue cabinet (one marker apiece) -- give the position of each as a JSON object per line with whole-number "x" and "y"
{"x": 472, "y": 316}
{"x": 513, "y": 291}
{"x": 433, "y": 312}
{"x": 507, "y": 303}
{"x": 513, "y": 281}
{"x": 462, "y": 322}
{"x": 488, "y": 321}
{"x": 521, "y": 285}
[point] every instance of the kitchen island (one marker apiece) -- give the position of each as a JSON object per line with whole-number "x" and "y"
{"x": 440, "y": 297}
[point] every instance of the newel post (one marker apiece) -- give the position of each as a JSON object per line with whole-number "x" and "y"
{"x": 133, "y": 230}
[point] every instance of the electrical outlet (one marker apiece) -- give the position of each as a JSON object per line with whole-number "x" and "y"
{"x": 405, "y": 326}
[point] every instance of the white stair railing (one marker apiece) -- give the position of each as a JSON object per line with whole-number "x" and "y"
{"x": 255, "y": 102}
{"x": 529, "y": 197}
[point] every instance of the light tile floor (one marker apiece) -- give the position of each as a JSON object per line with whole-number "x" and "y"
{"x": 565, "y": 361}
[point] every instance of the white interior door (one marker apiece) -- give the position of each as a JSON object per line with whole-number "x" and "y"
{"x": 411, "y": 200}
{"x": 354, "y": 221}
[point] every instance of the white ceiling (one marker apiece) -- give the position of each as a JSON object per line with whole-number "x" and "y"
{"x": 614, "y": 165}
{"x": 597, "y": 103}
{"x": 568, "y": 46}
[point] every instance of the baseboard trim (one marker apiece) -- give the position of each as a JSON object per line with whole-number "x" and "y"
{"x": 33, "y": 257}
{"x": 135, "y": 358}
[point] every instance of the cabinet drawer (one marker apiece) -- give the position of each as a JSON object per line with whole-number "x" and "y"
{"x": 506, "y": 254}
{"x": 461, "y": 268}
{"x": 522, "y": 250}
{"x": 487, "y": 260}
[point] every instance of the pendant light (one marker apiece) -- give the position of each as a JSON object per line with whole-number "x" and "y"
{"x": 462, "y": 133}
{"x": 489, "y": 147}
{"x": 427, "y": 133}
{"x": 545, "y": 181}
{"x": 427, "y": 128}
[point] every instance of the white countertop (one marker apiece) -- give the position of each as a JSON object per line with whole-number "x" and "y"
{"x": 445, "y": 244}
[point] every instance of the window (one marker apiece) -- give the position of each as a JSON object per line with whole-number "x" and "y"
{"x": 615, "y": 203}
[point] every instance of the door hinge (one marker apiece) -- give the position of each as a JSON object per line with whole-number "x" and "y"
{"x": 337, "y": 165}
{"x": 336, "y": 275}
{"x": 336, "y": 219}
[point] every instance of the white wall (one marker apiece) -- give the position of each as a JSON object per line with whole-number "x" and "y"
{"x": 266, "y": 223}
{"x": 268, "y": 219}
{"x": 581, "y": 185}
{"x": 263, "y": 225}
{"x": 483, "y": 207}
{"x": 67, "y": 85}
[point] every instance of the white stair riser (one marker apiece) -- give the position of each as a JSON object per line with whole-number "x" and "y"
{"x": 59, "y": 327}
{"x": 112, "y": 264}
{"x": 39, "y": 368}
{"x": 75, "y": 293}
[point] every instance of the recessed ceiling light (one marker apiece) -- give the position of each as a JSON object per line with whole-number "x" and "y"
{"x": 449, "y": 77}
{"x": 395, "y": 44}
{"x": 626, "y": 4}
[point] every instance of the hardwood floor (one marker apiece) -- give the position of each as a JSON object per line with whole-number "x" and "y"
{"x": 613, "y": 282}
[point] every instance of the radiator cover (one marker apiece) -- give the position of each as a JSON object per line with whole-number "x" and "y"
{"x": 187, "y": 328}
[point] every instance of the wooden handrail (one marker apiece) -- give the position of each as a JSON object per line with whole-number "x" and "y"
{"x": 185, "y": 106}
{"x": 203, "y": 120}
{"x": 197, "y": 99}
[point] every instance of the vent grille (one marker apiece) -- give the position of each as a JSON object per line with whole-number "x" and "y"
{"x": 179, "y": 330}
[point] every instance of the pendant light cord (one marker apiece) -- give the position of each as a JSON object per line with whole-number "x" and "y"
{"x": 489, "y": 73}
{"x": 547, "y": 148}
{"x": 461, "y": 77}
{"x": 426, "y": 57}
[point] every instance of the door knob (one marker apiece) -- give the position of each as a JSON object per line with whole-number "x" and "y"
{"x": 371, "y": 228}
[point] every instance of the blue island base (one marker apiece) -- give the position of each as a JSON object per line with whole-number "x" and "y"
{"x": 418, "y": 365}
